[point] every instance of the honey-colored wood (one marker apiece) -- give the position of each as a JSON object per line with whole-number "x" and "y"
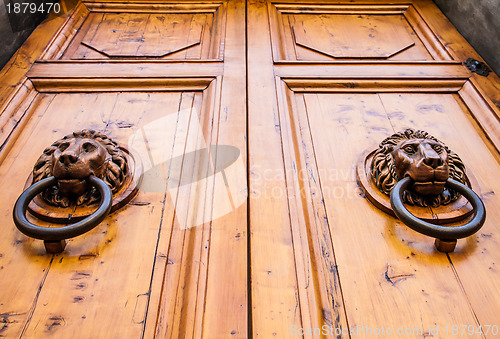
{"x": 95, "y": 70}
{"x": 160, "y": 256}
{"x": 275, "y": 302}
{"x": 307, "y": 213}
{"x": 370, "y": 31}
{"x": 458, "y": 122}
{"x": 165, "y": 31}
{"x": 372, "y": 40}
{"x": 418, "y": 71}
{"x": 327, "y": 112}
{"x": 393, "y": 266}
{"x": 278, "y": 240}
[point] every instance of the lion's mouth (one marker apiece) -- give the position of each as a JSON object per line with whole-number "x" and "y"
{"x": 429, "y": 187}
{"x": 70, "y": 181}
{"x": 75, "y": 187}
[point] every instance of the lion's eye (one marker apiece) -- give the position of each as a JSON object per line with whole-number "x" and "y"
{"x": 437, "y": 148}
{"x": 88, "y": 147}
{"x": 63, "y": 146}
{"x": 409, "y": 149}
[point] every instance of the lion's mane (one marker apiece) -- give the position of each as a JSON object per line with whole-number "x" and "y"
{"x": 115, "y": 175}
{"x": 384, "y": 175}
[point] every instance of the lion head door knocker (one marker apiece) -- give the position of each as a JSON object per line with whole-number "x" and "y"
{"x": 78, "y": 180}
{"x": 416, "y": 169}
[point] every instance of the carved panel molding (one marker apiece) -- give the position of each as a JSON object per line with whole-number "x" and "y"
{"x": 166, "y": 31}
{"x": 340, "y": 32}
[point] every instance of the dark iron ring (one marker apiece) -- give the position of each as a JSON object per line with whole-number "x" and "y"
{"x": 65, "y": 232}
{"x": 436, "y": 231}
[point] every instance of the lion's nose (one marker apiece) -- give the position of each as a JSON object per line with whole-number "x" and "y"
{"x": 433, "y": 161}
{"x": 68, "y": 158}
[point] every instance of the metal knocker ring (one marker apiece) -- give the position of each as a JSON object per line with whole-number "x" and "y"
{"x": 54, "y": 236}
{"x": 445, "y": 236}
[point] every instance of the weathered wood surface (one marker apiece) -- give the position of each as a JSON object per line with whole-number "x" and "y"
{"x": 328, "y": 110}
{"x": 175, "y": 237}
{"x": 12, "y": 74}
{"x": 191, "y": 256}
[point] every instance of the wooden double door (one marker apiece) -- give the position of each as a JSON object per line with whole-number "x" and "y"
{"x": 249, "y": 119}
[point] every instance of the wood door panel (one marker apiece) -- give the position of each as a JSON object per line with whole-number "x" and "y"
{"x": 19, "y": 164}
{"x": 23, "y": 282}
{"x": 454, "y": 120}
{"x": 331, "y": 105}
{"x": 351, "y": 36}
{"x": 154, "y": 267}
{"x": 110, "y": 31}
{"x": 383, "y": 259}
{"x": 338, "y": 32}
{"x": 126, "y": 244}
{"x": 141, "y": 35}
{"x": 191, "y": 255}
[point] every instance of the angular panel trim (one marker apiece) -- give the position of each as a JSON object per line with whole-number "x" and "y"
{"x": 376, "y": 29}
{"x": 301, "y": 32}
{"x": 144, "y": 35}
{"x": 136, "y": 30}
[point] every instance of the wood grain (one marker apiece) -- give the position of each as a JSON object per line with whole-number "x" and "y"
{"x": 329, "y": 112}
{"x": 449, "y": 119}
{"x": 273, "y": 273}
{"x": 137, "y": 30}
{"x": 319, "y": 286}
{"x": 353, "y": 36}
{"x": 320, "y": 32}
{"x": 400, "y": 262}
{"x": 143, "y": 35}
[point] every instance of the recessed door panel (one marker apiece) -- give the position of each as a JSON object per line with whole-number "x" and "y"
{"x": 347, "y": 76}
{"x": 377, "y": 256}
{"x": 153, "y": 267}
{"x": 140, "y": 35}
{"x": 341, "y": 32}
{"x": 167, "y": 123}
{"x": 167, "y": 31}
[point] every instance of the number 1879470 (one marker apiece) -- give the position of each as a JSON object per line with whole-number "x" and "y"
{"x": 31, "y": 7}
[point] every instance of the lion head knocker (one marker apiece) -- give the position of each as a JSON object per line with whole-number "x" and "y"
{"x": 78, "y": 180}
{"x": 423, "y": 158}
{"x": 74, "y": 158}
{"x": 414, "y": 168}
